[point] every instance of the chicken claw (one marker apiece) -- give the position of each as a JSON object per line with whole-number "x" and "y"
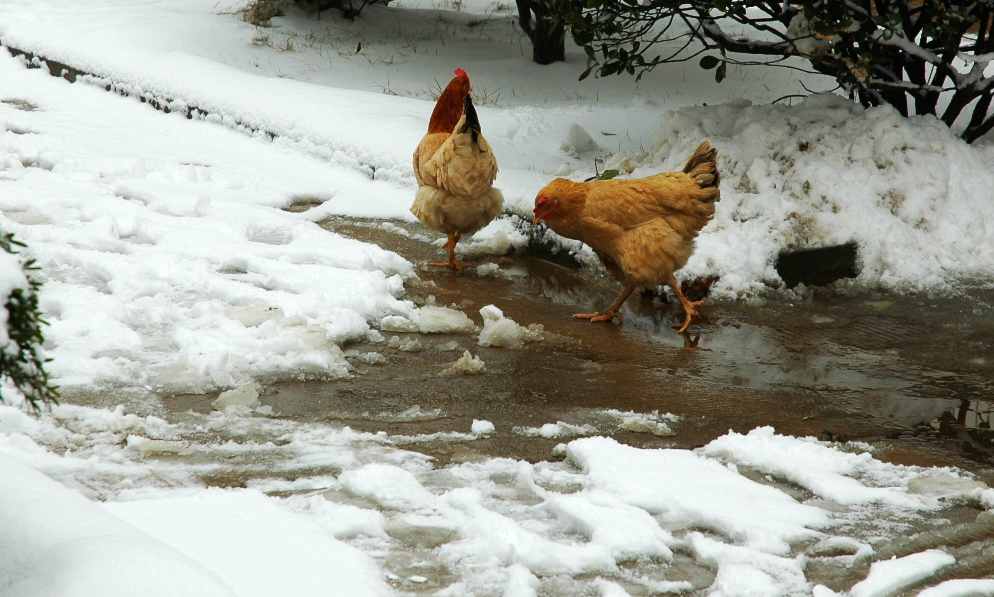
{"x": 608, "y": 316}
{"x": 611, "y": 311}
{"x": 689, "y": 306}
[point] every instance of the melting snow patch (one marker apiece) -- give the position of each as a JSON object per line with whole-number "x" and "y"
{"x": 152, "y": 447}
{"x": 890, "y": 576}
{"x": 557, "y": 429}
{"x": 961, "y": 588}
{"x": 607, "y": 588}
{"x": 487, "y": 269}
{"x": 500, "y": 331}
{"x": 243, "y": 397}
{"x": 653, "y": 422}
{"x": 520, "y": 582}
{"x": 467, "y": 364}
{"x": 823, "y": 470}
{"x": 408, "y": 344}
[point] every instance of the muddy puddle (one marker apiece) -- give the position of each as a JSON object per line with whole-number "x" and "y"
{"x": 908, "y": 373}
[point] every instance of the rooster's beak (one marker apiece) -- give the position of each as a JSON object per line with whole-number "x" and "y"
{"x": 536, "y": 219}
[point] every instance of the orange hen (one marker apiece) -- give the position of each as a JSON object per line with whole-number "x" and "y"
{"x": 455, "y": 169}
{"x": 642, "y": 229}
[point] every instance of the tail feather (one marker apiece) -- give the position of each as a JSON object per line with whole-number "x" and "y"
{"x": 472, "y": 120}
{"x": 703, "y": 167}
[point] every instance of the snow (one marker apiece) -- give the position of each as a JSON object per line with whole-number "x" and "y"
{"x": 520, "y": 582}
{"x": 143, "y": 292}
{"x": 255, "y": 547}
{"x": 244, "y": 397}
{"x": 910, "y": 182}
{"x": 483, "y": 427}
{"x": 504, "y": 332}
{"x": 821, "y": 469}
{"x": 654, "y": 422}
{"x": 56, "y": 542}
{"x": 960, "y": 588}
{"x": 889, "y": 576}
{"x": 693, "y": 491}
{"x": 170, "y": 266}
{"x": 557, "y": 429}
{"x": 607, "y": 507}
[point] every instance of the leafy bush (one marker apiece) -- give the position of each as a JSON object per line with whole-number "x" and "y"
{"x": 920, "y": 56}
{"x": 21, "y": 335}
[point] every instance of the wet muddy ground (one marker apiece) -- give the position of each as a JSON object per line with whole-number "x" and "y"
{"x": 899, "y": 371}
{"x": 911, "y": 375}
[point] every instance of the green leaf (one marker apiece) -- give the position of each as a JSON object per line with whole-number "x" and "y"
{"x": 608, "y": 174}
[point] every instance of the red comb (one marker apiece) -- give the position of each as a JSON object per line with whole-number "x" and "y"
{"x": 461, "y": 73}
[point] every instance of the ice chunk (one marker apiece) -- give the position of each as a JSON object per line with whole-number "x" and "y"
{"x": 150, "y": 447}
{"x": 487, "y": 269}
{"x": 467, "y": 364}
{"x": 387, "y": 485}
{"x": 397, "y": 323}
{"x": 369, "y": 358}
{"x": 408, "y": 344}
{"x": 654, "y": 422}
{"x": 482, "y": 427}
{"x": 244, "y": 396}
{"x": 557, "y": 429}
{"x": 891, "y": 576}
{"x": 503, "y": 332}
{"x": 431, "y": 319}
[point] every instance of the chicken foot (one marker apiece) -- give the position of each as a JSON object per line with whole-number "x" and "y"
{"x": 689, "y": 306}
{"x": 450, "y": 246}
{"x": 609, "y": 313}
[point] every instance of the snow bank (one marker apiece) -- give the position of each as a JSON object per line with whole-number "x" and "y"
{"x": 914, "y": 197}
{"x": 254, "y": 546}
{"x": 56, "y": 542}
{"x": 167, "y": 261}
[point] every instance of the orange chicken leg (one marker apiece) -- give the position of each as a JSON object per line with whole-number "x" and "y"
{"x": 450, "y": 246}
{"x": 609, "y": 313}
{"x": 689, "y": 306}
